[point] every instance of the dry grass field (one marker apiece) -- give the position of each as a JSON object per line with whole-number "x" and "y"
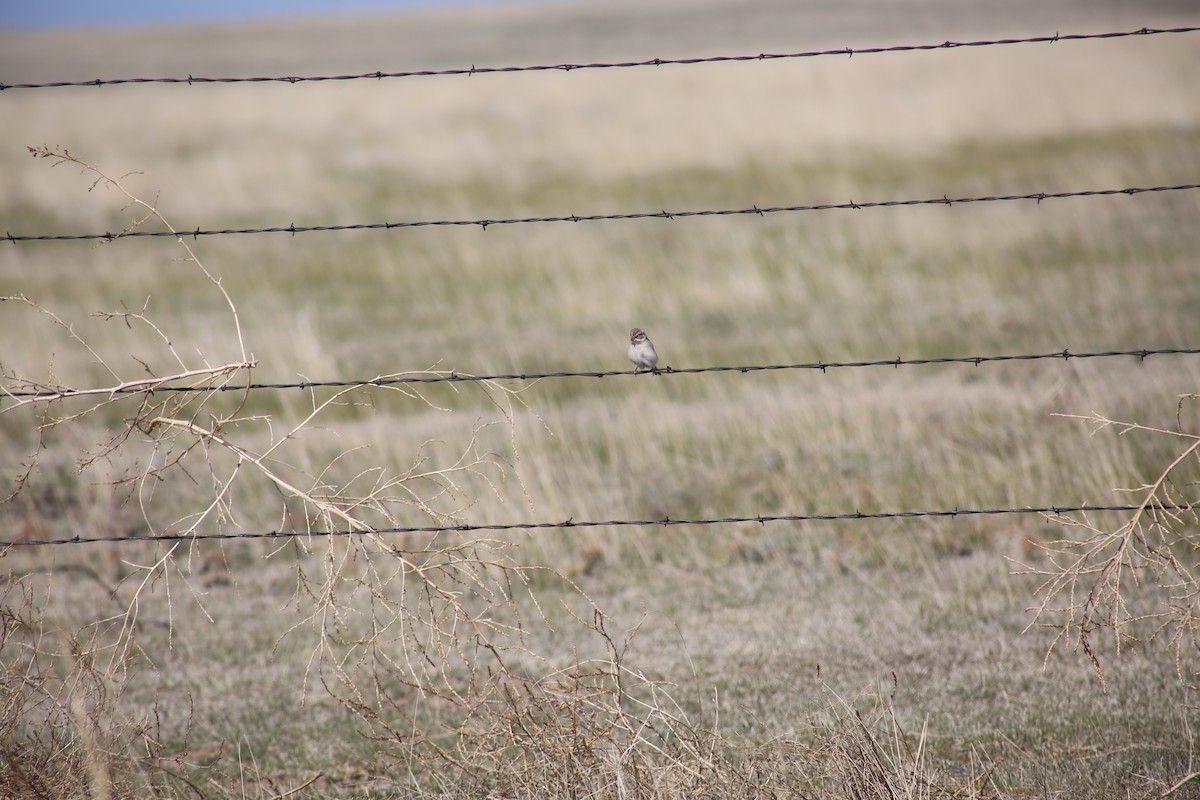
{"x": 893, "y": 657}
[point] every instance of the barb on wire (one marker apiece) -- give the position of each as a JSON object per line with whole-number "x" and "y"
{"x": 761, "y": 519}
{"x": 144, "y": 387}
{"x": 663, "y": 214}
{"x": 651, "y": 62}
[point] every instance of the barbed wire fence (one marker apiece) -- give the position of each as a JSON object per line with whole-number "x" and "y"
{"x": 153, "y": 386}
{"x": 848, "y": 52}
{"x": 483, "y": 224}
{"x": 759, "y": 519}
{"x": 1158, "y": 505}
{"x": 28, "y": 391}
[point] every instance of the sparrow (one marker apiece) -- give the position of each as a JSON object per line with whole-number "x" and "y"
{"x": 641, "y": 351}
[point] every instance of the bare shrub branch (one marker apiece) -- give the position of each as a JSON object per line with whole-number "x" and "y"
{"x": 1086, "y": 588}
{"x": 428, "y": 642}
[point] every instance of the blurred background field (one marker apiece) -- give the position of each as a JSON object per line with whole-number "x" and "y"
{"x": 931, "y": 616}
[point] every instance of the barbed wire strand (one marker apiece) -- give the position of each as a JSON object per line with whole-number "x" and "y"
{"x": 144, "y": 387}
{"x": 761, "y": 519}
{"x": 668, "y": 215}
{"x": 849, "y": 52}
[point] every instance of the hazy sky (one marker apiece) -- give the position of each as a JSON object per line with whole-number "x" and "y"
{"x": 25, "y": 13}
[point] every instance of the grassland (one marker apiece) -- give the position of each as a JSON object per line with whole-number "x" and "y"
{"x": 766, "y": 637}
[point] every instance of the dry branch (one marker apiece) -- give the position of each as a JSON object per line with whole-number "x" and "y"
{"x": 1085, "y": 587}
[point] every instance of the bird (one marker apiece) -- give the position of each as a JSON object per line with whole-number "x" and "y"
{"x": 641, "y": 351}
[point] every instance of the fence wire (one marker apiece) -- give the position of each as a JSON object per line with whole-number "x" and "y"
{"x": 761, "y": 519}
{"x": 664, "y": 214}
{"x": 849, "y": 52}
{"x": 151, "y": 387}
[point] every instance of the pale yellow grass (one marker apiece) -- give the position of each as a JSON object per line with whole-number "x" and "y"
{"x": 739, "y": 616}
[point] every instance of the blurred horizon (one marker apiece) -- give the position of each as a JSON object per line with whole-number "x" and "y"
{"x": 81, "y": 13}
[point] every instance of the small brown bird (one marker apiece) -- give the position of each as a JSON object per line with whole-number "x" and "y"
{"x": 641, "y": 351}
